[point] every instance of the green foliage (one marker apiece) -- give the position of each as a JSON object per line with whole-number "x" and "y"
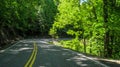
{"x": 67, "y": 21}
{"x": 94, "y": 22}
{"x": 26, "y": 18}
{"x": 77, "y": 45}
{"x": 28, "y": 15}
{"x": 69, "y": 44}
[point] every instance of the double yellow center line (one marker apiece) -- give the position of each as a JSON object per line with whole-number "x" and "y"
{"x": 32, "y": 58}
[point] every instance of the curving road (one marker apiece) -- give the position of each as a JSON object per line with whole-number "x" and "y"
{"x": 38, "y": 53}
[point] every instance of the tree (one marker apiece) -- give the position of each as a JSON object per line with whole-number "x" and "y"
{"x": 25, "y": 18}
{"x": 69, "y": 21}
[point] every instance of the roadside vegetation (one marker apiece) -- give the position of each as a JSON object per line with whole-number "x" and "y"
{"x": 94, "y": 24}
{"x": 25, "y": 18}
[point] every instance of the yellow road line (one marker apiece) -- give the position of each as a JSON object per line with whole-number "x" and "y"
{"x": 32, "y": 57}
{"x": 32, "y": 62}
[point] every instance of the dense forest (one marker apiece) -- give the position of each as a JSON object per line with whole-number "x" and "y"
{"x": 25, "y": 18}
{"x": 93, "y": 24}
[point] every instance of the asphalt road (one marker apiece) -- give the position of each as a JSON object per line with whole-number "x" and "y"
{"x": 38, "y": 53}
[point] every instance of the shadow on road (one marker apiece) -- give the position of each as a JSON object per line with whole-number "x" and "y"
{"x": 47, "y": 56}
{"x": 17, "y": 55}
{"x": 54, "y": 56}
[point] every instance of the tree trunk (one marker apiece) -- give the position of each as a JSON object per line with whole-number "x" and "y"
{"x": 108, "y": 9}
{"x": 106, "y": 35}
{"x": 84, "y": 42}
{"x": 90, "y": 49}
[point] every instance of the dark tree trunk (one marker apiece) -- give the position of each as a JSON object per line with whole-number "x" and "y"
{"x": 108, "y": 9}
{"x": 106, "y": 35}
{"x": 84, "y": 42}
{"x": 95, "y": 14}
{"x": 90, "y": 49}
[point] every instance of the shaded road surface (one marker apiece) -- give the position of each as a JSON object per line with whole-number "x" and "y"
{"x": 38, "y": 53}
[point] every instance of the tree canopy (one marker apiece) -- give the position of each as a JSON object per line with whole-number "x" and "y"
{"x": 25, "y": 18}
{"x": 93, "y": 23}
